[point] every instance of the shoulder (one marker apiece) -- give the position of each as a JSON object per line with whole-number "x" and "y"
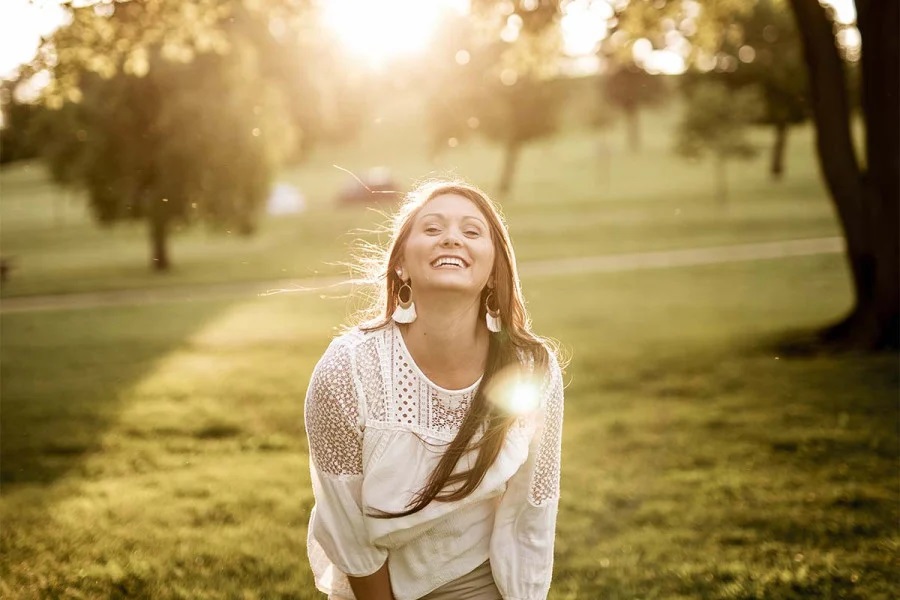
{"x": 549, "y": 372}
{"x": 541, "y": 359}
{"x": 343, "y": 350}
{"x": 347, "y": 343}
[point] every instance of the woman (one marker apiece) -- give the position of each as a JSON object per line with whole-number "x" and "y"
{"x": 433, "y": 474}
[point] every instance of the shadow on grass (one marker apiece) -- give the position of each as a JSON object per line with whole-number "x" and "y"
{"x": 64, "y": 375}
{"x": 155, "y": 451}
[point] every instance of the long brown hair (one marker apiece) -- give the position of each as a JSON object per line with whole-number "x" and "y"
{"x": 504, "y": 349}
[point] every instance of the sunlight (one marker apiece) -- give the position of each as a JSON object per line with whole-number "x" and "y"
{"x": 378, "y": 32}
{"x": 844, "y": 10}
{"x": 22, "y": 23}
{"x": 514, "y": 390}
{"x": 584, "y": 25}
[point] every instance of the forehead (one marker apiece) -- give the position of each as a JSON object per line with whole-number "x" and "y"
{"x": 452, "y": 205}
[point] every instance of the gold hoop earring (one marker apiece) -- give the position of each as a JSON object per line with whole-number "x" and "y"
{"x": 492, "y": 316}
{"x": 406, "y": 310}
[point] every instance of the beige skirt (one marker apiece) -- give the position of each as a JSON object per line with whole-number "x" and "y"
{"x": 476, "y": 585}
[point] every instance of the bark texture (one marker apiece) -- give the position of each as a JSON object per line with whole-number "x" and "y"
{"x": 866, "y": 201}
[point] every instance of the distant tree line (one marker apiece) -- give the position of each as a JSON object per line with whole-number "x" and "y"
{"x": 177, "y": 112}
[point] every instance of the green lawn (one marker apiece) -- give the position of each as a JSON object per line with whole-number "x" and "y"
{"x": 158, "y": 451}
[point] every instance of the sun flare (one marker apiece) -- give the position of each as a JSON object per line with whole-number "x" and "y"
{"x": 378, "y": 32}
{"x": 515, "y": 391}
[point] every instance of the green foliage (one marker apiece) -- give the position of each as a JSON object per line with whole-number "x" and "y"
{"x": 195, "y": 139}
{"x": 716, "y": 121}
{"x": 629, "y": 88}
{"x": 474, "y": 81}
{"x": 170, "y": 130}
{"x": 16, "y": 135}
{"x": 707, "y": 24}
{"x": 763, "y": 50}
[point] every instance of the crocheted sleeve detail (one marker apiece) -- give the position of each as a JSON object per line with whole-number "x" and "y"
{"x": 332, "y": 413}
{"x": 545, "y": 479}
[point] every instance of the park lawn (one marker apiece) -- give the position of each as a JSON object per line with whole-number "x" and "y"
{"x": 158, "y": 452}
{"x": 577, "y": 194}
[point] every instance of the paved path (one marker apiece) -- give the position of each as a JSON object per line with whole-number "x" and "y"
{"x": 607, "y": 263}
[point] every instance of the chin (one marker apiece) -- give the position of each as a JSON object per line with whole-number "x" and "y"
{"x": 452, "y": 284}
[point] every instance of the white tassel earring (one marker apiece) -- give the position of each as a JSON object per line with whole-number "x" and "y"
{"x": 406, "y": 309}
{"x": 492, "y": 316}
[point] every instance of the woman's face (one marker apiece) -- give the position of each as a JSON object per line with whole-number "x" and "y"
{"x": 449, "y": 247}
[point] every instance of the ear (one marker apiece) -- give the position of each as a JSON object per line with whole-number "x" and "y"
{"x": 401, "y": 273}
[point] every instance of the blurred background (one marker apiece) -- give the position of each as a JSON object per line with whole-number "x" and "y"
{"x": 703, "y": 202}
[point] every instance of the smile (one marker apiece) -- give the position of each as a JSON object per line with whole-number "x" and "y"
{"x": 449, "y": 261}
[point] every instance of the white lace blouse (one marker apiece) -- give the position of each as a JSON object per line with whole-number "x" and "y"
{"x": 376, "y": 425}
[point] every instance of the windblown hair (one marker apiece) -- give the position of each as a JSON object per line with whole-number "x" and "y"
{"x": 515, "y": 340}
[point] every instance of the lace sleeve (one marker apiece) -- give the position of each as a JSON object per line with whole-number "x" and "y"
{"x": 524, "y": 532}
{"x": 332, "y": 415}
{"x": 545, "y": 479}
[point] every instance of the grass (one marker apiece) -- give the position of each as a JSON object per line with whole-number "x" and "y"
{"x": 158, "y": 452}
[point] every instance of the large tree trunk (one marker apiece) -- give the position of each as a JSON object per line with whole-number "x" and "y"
{"x": 866, "y": 204}
{"x": 510, "y": 160}
{"x": 776, "y": 167}
{"x": 880, "y": 69}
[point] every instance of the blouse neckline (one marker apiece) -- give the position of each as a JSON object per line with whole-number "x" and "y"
{"x": 420, "y": 373}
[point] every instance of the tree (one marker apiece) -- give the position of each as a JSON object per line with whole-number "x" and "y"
{"x": 867, "y": 199}
{"x": 715, "y": 123}
{"x": 497, "y": 79}
{"x": 329, "y": 100}
{"x": 450, "y": 79}
{"x": 16, "y": 133}
{"x": 630, "y": 88}
{"x": 165, "y": 133}
{"x": 762, "y": 51}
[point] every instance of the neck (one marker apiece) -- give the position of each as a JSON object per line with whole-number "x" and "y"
{"x": 447, "y": 333}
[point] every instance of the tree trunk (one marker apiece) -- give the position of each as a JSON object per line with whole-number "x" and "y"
{"x": 721, "y": 180}
{"x": 633, "y": 123}
{"x": 880, "y": 71}
{"x": 158, "y": 221}
{"x": 776, "y": 168}
{"x": 510, "y": 160}
{"x": 867, "y": 205}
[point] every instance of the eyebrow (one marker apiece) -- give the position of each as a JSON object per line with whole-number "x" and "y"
{"x": 444, "y": 217}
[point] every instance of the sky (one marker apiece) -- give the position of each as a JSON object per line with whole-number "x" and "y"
{"x": 23, "y": 22}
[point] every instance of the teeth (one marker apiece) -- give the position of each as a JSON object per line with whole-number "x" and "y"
{"x": 448, "y": 261}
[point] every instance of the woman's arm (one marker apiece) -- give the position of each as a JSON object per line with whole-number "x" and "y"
{"x": 337, "y": 530}
{"x": 376, "y": 586}
{"x": 525, "y": 522}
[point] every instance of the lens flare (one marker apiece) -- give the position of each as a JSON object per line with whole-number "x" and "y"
{"x": 515, "y": 391}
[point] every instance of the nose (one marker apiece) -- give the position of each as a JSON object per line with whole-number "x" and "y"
{"x": 450, "y": 241}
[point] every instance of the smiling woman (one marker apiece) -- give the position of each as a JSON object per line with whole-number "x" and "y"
{"x": 435, "y": 427}
{"x": 381, "y": 31}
